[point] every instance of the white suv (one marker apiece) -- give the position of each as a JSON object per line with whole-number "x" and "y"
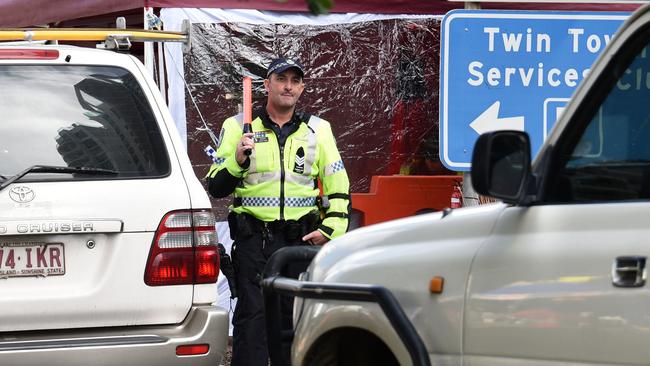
{"x": 107, "y": 242}
{"x": 554, "y": 275}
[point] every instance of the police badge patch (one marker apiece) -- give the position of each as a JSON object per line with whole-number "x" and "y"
{"x": 299, "y": 166}
{"x": 260, "y": 136}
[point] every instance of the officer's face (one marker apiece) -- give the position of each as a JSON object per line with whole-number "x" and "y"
{"x": 284, "y": 89}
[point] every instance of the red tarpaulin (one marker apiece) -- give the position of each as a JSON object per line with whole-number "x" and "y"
{"x": 21, "y": 13}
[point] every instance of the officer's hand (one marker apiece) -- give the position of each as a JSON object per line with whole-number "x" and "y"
{"x": 245, "y": 143}
{"x": 315, "y": 238}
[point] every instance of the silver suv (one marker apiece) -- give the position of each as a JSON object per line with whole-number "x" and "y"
{"x": 556, "y": 274}
{"x": 107, "y": 242}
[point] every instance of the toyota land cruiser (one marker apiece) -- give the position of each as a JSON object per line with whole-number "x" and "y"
{"x": 107, "y": 242}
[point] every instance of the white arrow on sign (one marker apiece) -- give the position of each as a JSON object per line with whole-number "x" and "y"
{"x": 489, "y": 121}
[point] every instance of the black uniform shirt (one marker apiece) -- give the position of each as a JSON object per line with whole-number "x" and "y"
{"x": 281, "y": 132}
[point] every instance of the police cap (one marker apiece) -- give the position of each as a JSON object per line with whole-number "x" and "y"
{"x": 280, "y": 65}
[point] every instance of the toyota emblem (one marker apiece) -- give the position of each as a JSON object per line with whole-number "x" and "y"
{"x": 21, "y": 194}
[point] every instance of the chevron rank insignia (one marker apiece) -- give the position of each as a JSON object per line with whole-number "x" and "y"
{"x": 299, "y": 166}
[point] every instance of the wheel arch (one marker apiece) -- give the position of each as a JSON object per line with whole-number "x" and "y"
{"x": 349, "y": 346}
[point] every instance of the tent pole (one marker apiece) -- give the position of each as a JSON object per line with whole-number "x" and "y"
{"x": 470, "y": 197}
{"x": 148, "y": 46}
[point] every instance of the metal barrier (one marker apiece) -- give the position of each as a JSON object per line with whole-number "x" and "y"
{"x": 273, "y": 284}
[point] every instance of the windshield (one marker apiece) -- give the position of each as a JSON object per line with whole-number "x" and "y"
{"x": 77, "y": 116}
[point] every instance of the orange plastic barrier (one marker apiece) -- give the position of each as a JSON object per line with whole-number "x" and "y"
{"x": 396, "y": 196}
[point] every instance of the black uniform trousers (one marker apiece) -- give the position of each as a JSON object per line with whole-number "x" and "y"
{"x": 250, "y": 254}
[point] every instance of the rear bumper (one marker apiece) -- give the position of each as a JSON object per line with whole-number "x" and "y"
{"x": 143, "y": 345}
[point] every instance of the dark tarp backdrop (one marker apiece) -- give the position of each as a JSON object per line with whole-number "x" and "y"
{"x": 376, "y": 82}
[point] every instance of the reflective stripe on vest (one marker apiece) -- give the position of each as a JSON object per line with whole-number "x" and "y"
{"x": 275, "y": 201}
{"x": 303, "y": 180}
{"x": 312, "y": 141}
{"x": 240, "y": 119}
{"x": 255, "y": 178}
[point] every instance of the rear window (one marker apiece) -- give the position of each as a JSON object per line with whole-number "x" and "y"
{"x": 77, "y": 116}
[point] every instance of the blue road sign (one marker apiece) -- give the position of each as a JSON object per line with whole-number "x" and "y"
{"x": 512, "y": 70}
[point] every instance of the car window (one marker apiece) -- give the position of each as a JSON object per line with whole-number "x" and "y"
{"x": 77, "y": 116}
{"x": 611, "y": 158}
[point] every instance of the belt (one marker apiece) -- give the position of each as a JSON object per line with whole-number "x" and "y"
{"x": 305, "y": 224}
{"x": 276, "y": 225}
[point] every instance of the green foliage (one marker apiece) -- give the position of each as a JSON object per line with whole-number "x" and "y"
{"x": 320, "y": 6}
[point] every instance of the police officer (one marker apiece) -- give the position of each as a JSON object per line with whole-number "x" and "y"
{"x": 275, "y": 195}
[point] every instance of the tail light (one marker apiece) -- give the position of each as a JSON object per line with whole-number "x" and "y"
{"x": 184, "y": 250}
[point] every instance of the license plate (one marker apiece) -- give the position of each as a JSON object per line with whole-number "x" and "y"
{"x": 31, "y": 259}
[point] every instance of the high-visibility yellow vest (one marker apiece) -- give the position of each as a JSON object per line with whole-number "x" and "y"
{"x": 281, "y": 182}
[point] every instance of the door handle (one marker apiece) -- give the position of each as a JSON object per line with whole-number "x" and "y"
{"x": 629, "y": 271}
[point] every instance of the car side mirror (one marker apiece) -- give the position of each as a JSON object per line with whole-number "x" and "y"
{"x": 501, "y": 165}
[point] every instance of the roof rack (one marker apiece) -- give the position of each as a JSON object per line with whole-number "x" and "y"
{"x": 118, "y": 39}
